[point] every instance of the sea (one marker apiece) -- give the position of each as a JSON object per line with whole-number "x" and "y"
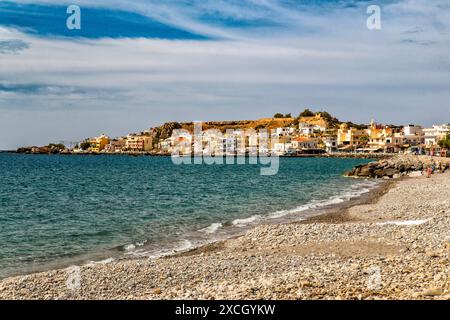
{"x": 63, "y": 210}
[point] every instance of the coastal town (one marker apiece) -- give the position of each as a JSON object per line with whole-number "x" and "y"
{"x": 308, "y": 134}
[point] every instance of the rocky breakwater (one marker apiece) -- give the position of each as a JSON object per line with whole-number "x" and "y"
{"x": 400, "y": 165}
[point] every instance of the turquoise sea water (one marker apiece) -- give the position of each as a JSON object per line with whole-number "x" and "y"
{"x": 57, "y": 210}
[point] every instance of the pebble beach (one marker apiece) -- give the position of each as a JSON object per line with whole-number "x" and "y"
{"x": 395, "y": 245}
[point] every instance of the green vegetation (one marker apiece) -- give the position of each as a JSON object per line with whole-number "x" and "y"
{"x": 278, "y": 116}
{"x": 445, "y": 143}
{"x": 364, "y": 139}
{"x": 282, "y": 116}
{"x": 356, "y": 126}
{"x": 307, "y": 113}
{"x": 85, "y": 145}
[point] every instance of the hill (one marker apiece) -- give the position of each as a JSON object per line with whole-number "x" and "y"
{"x": 323, "y": 119}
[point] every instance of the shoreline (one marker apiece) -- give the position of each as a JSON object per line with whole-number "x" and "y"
{"x": 343, "y": 155}
{"x": 400, "y": 228}
{"x": 229, "y": 231}
{"x": 336, "y": 213}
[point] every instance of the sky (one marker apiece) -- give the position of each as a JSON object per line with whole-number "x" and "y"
{"x": 136, "y": 64}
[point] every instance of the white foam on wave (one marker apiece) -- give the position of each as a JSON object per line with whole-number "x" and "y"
{"x": 282, "y": 213}
{"x": 351, "y": 193}
{"x": 182, "y": 246}
{"x": 212, "y": 228}
{"x": 243, "y": 222}
{"x": 186, "y": 245}
{"x": 133, "y": 246}
{"x": 129, "y": 247}
{"x": 404, "y": 223}
{"x": 141, "y": 243}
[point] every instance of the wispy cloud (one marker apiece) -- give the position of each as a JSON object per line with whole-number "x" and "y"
{"x": 13, "y": 46}
{"x": 254, "y": 58}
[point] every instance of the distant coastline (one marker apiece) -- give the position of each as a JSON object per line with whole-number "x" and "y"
{"x": 308, "y": 134}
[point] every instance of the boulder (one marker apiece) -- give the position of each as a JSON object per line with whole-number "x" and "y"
{"x": 415, "y": 174}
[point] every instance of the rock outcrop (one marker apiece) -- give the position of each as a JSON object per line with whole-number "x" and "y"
{"x": 51, "y": 149}
{"x": 400, "y": 165}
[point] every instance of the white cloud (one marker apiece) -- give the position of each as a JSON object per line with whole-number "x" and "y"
{"x": 86, "y": 87}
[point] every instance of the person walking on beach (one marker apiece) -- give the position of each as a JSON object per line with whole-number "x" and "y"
{"x": 429, "y": 171}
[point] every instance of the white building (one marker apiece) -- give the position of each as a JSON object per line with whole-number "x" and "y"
{"x": 214, "y": 143}
{"x": 284, "y": 131}
{"x": 320, "y": 128}
{"x": 301, "y": 143}
{"x": 165, "y": 145}
{"x": 413, "y": 135}
{"x": 412, "y": 130}
{"x": 331, "y": 143}
{"x": 306, "y": 129}
{"x": 283, "y": 148}
{"x": 436, "y": 133}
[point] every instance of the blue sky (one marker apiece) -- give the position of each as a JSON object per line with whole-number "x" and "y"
{"x": 136, "y": 64}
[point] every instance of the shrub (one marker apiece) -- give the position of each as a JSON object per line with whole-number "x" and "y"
{"x": 307, "y": 113}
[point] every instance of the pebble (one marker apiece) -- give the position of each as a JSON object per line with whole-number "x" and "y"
{"x": 433, "y": 292}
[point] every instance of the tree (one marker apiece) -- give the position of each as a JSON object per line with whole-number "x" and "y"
{"x": 278, "y": 116}
{"x": 445, "y": 143}
{"x": 288, "y": 115}
{"x": 364, "y": 139}
{"x": 85, "y": 145}
{"x": 307, "y": 113}
{"x": 356, "y": 126}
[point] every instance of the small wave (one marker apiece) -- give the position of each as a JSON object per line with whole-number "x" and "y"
{"x": 182, "y": 246}
{"x": 212, "y": 228}
{"x": 243, "y": 222}
{"x": 133, "y": 246}
{"x": 353, "y": 192}
{"x": 185, "y": 245}
{"x": 129, "y": 247}
{"x": 141, "y": 243}
{"x": 282, "y": 213}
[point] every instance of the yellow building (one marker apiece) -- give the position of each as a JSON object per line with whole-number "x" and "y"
{"x": 99, "y": 143}
{"x": 350, "y": 138}
{"x": 138, "y": 143}
{"x": 379, "y": 136}
{"x": 384, "y": 138}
